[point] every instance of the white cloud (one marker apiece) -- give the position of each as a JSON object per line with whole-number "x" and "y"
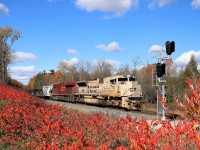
{"x": 72, "y": 51}
{"x": 195, "y": 4}
{"x": 22, "y": 74}
{"x": 22, "y": 69}
{"x": 72, "y": 61}
{"x": 159, "y": 3}
{"x": 112, "y": 62}
{"x": 184, "y": 59}
{"x": 53, "y": 0}
{"x": 113, "y": 46}
{"x": 118, "y": 7}
{"x": 22, "y": 56}
{"x": 155, "y": 48}
{"x": 4, "y": 9}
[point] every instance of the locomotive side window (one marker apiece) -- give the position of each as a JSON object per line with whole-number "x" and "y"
{"x": 81, "y": 84}
{"x": 113, "y": 81}
{"x": 132, "y": 89}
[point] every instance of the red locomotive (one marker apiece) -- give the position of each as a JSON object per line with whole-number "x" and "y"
{"x": 63, "y": 91}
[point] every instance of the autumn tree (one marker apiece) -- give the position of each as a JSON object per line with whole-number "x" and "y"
{"x": 63, "y": 67}
{"x": 145, "y": 78}
{"x": 84, "y": 70}
{"x": 123, "y": 70}
{"x": 7, "y": 38}
{"x": 31, "y": 83}
{"x": 68, "y": 71}
{"x": 57, "y": 77}
{"x": 136, "y": 62}
{"x": 16, "y": 84}
{"x": 73, "y": 73}
{"x": 102, "y": 69}
{"x": 51, "y": 77}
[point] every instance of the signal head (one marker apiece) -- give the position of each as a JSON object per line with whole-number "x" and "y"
{"x": 170, "y": 47}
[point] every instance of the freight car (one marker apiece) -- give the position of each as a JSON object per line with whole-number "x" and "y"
{"x": 36, "y": 92}
{"x": 47, "y": 90}
{"x": 117, "y": 91}
{"x": 44, "y": 92}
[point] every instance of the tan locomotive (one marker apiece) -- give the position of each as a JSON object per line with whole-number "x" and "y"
{"x": 118, "y": 91}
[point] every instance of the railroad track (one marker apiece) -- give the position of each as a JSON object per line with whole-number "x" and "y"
{"x": 143, "y": 113}
{"x": 114, "y": 112}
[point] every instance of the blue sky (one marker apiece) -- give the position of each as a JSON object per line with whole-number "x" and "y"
{"x": 113, "y": 30}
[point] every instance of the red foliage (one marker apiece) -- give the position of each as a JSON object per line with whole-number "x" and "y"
{"x": 28, "y": 123}
{"x": 191, "y": 109}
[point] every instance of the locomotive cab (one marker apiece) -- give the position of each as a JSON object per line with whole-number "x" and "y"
{"x": 130, "y": 92}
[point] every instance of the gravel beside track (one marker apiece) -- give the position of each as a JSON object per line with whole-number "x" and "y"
{"x": 113, "y": 112}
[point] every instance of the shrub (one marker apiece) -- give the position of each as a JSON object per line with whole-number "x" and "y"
{"x": 28, "y": 123}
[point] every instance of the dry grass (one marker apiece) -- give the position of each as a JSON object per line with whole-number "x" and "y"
{"x": 149, "y": 107}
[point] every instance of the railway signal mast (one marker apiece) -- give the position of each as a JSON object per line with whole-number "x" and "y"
{"x": 161, "y": 82}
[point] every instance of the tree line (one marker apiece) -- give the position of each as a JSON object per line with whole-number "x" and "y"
{"x": 84, "y": 70}
{"x": 146, "y": 76}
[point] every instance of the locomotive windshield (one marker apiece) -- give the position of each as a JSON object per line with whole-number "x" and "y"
{"x": 81, "y": 84}
{"x": 122, "y": 79}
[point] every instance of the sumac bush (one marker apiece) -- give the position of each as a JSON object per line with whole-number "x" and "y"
{"x": 28, "y": 123}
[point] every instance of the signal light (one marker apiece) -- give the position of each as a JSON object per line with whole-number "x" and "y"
{"x": 52, "y": 71}
{"x": 170, "y": 47}
{"x": 160, "y": 69}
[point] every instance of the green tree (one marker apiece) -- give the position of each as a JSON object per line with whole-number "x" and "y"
{"x": 190, "y": 72}
{"x": 39, "y": 81}
{"x": 7, "y": 38}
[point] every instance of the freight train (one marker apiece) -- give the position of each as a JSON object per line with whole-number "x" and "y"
{"x": 116, "y": 91}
